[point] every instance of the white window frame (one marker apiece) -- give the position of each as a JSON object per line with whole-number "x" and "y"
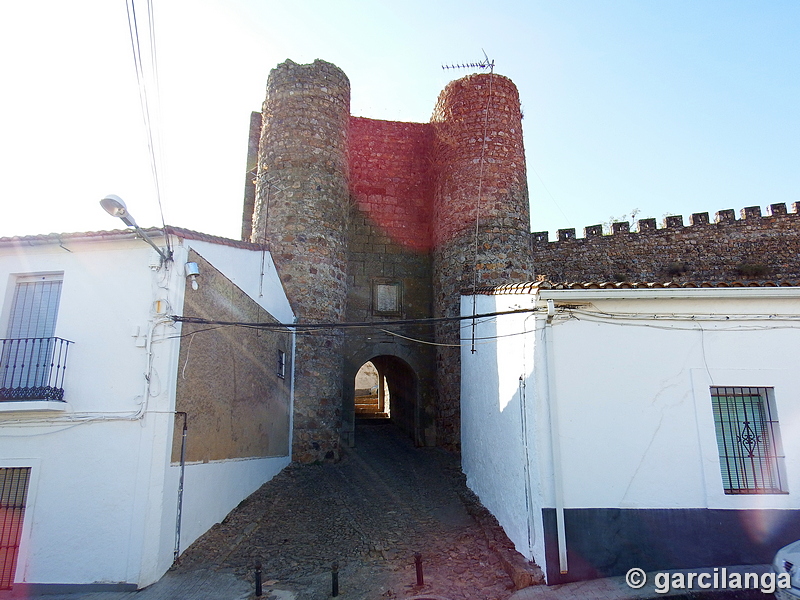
{"x": 785, "y": 382}
{"x": 749, "y": 440}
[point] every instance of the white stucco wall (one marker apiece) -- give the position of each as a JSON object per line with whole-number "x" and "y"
{"x": 630, "y": 378}
{"x": 98, "y": 470}
{"x": 216, "y": 488}
{"x": 245, "y": 268}
{"x": 102, "y": 500}
{"x": 496, "y": 408}
{"x": 213, "y": 489}
{"x": 636, "y": 425}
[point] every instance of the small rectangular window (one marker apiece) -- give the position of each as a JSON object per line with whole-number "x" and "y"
{"x": 281, "y": 364}
{"x": 748, "y": 437}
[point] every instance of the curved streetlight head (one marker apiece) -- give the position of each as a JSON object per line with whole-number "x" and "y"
{"x": 115, "y": 206}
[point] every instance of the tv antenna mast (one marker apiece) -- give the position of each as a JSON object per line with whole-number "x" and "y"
{"x": 484, "y": 64}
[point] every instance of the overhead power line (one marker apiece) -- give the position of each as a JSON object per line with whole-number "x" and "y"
{"x": 146, "y": 78}
{"x": 347, "y": 325}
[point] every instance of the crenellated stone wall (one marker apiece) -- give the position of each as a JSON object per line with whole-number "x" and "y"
{"x": 754, "y": 246}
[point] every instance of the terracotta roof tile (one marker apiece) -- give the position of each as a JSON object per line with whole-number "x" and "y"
{"x": 188, "y": 234}
{"x": 531, "y": 286}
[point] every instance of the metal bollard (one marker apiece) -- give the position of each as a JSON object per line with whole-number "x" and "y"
{"x": 418, "y": 564}
{"x": 258, "y": 578}
{"x": 335, "y": 579}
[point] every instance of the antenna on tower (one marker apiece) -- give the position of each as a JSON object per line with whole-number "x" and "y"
{"x": 484, "y": 64}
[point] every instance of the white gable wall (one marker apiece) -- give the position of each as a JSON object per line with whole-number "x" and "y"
{"x": 245, "y": 268}
{"x": 496, "y": 409}
{"x": 214, "y": 489}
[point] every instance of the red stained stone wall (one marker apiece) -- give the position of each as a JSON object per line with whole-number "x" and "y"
{"x": 390, "y": 178}
{"x": 480, "y": 166}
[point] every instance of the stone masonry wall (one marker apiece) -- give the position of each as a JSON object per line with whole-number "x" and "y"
{"x": 390, "y": 180}
{"x": 480, "y": 172}
{"x": 755, "y": 246}
{"x": 390, "y": 229}
{"x": 390, "y": 240}
{"x": 302, "y": 211}
{"x": 350, "y": 206}
{"x": 236, "y": 405}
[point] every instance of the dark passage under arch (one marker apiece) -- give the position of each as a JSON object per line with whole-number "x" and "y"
{"x": 386, "y": 387}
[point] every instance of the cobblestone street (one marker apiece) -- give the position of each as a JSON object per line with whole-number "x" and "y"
{"x": 370, "y": 512}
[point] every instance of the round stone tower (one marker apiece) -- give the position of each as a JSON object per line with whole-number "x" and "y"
{"x": 301, "y": 212}
{"x": 481, "y": 178}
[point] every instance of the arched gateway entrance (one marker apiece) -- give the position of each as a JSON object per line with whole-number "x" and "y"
{"x": 372, "y": 397}
{"x": 383, "y": 387}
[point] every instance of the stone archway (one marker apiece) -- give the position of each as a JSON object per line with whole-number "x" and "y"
{"x": 372, "y": 397}
{"x": 395, "y": 397}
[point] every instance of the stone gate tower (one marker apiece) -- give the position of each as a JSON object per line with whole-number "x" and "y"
{"x": 374, "y": 221}
{"x": 301, "y": 212}
{"x": 481, "y": 220}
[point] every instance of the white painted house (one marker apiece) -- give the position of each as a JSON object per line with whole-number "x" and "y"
{"x": 96, "y": 379}
{"x": 611, "y": 427}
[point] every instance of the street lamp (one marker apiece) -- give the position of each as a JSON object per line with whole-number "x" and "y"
{"x": 115, "y": 206}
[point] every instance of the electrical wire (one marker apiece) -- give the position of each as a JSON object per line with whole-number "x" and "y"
{"x": 147, "y": 106}
{"x": 673, "y": 322}
{"x": 348, "y": 325}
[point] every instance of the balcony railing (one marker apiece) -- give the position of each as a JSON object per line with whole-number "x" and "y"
{"x": 33, "y": 368}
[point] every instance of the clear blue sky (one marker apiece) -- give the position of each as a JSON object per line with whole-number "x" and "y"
{"x": 669, "y": 107}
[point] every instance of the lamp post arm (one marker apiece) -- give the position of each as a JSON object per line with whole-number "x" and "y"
{"x": 165, "y": 256}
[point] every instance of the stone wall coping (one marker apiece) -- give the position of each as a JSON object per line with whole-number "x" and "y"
{"x": 671, "y": 223}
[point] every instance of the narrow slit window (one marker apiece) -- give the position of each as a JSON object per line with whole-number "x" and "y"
{"x": 281, "y": 368}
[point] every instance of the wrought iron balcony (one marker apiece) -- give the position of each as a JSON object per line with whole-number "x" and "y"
{"x": 33, "y": 368}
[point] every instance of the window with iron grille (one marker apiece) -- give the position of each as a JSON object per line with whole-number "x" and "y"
{"x": 748, "y": 437}
{"x": 32, "y": 360}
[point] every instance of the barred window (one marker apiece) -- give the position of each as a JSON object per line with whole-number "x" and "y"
{"x": 748, "y": 437}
